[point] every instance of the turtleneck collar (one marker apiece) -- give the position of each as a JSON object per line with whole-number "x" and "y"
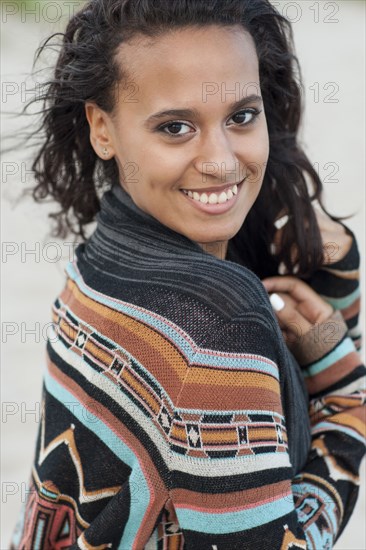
{"x": 119, "y": 216}
{"x": 132, "y": 246}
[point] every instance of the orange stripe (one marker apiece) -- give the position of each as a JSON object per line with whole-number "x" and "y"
{"x": 68, "y": 330}
{"x": 344, "y": 401}
{"x": 231, "y": 378}
{"x": 101, "y": 355}
{"x": 211, "y": 437}
{"x": 355, "y": 419}
{"x": 262, "y": 434}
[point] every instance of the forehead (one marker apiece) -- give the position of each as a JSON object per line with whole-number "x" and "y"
{"x": 182, "y": 65}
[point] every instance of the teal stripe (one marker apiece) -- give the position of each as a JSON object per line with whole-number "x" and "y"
{"x": 326, "y": 426}
{"x": 48, "y": 493}
{"x": 39, "y": 532}
{"x": 174, "y": 333}
{"x": 118, "y": 447}
{"x": 231, "y": 522}
{"x": 344, "y": 348}
{"x": 345, "y": 301}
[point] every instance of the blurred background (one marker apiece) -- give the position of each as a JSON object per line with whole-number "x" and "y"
{"x": 330, "y": 44}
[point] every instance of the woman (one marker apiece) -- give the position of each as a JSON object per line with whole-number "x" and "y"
{"x": 175, "y": 415}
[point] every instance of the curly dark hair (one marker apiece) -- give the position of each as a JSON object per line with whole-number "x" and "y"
{"x": 67, "y": 168}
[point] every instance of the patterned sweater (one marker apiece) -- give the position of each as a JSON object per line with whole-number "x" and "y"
{"x": 174, "y": 415}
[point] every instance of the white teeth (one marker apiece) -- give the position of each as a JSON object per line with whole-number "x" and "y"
{"x": 212, "y": 198}
{"x": 222, "y": 197}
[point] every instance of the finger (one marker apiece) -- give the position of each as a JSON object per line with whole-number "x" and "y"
{"x": 290, "y": 319}
{"x": 297, "y": 289}
{"x": 285, "y": 299}
{"x": 308, "y": 302}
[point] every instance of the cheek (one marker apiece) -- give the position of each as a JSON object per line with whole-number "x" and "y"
{"x": 256, "y": 166}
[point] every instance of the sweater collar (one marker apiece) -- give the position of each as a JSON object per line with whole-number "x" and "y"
{"x": 120, "y": 218}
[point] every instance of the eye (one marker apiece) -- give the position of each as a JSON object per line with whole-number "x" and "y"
{"x": 247, "y": 113}
{"x": 176, "y": 124}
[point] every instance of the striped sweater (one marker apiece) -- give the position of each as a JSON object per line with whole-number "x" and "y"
{"x": 174, "y": 415}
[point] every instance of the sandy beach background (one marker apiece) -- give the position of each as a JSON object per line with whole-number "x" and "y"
{"x": 330, "y": 43}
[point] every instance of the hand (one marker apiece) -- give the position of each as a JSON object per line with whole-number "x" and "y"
{"x": 336, "y": 242}
{"x": 303, "y": 307}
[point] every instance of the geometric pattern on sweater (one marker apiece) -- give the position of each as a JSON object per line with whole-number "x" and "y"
{"x": 194, "y": 433}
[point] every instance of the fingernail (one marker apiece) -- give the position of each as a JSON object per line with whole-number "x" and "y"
{"x": 281, "y": 221}
{"x": 277, "y": 302}
{"x": 272, "y": 248}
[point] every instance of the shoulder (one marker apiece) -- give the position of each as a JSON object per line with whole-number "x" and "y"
{"x": 200, "y": 294}
{"x": 221, "y": 284}
{"x": 224, "y": 306}
{"x": 236, "y": 285}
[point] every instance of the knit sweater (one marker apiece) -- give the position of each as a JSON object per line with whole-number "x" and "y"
{"x": 175, "y": 417}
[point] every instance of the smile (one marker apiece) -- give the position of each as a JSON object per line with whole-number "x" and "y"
{"x": 214, "y": 202}
{"x": 212, "y": 197}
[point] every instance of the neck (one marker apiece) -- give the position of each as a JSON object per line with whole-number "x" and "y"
{"x": 217, "y": 249}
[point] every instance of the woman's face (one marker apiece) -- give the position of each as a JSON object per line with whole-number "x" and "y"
{"x": 206, "y": 145}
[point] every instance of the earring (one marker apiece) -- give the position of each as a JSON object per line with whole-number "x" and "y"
{"x": 105, "y": 151}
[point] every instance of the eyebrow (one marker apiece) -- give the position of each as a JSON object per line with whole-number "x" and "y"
{"x": 193, "y": 113}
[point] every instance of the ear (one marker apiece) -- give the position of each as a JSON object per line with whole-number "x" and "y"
{"x": 100, "y": 135}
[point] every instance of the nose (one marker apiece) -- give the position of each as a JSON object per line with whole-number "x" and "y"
{"x": 217, "y": 160}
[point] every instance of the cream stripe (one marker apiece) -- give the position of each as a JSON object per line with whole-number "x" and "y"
{"x": 356, "y": 385}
